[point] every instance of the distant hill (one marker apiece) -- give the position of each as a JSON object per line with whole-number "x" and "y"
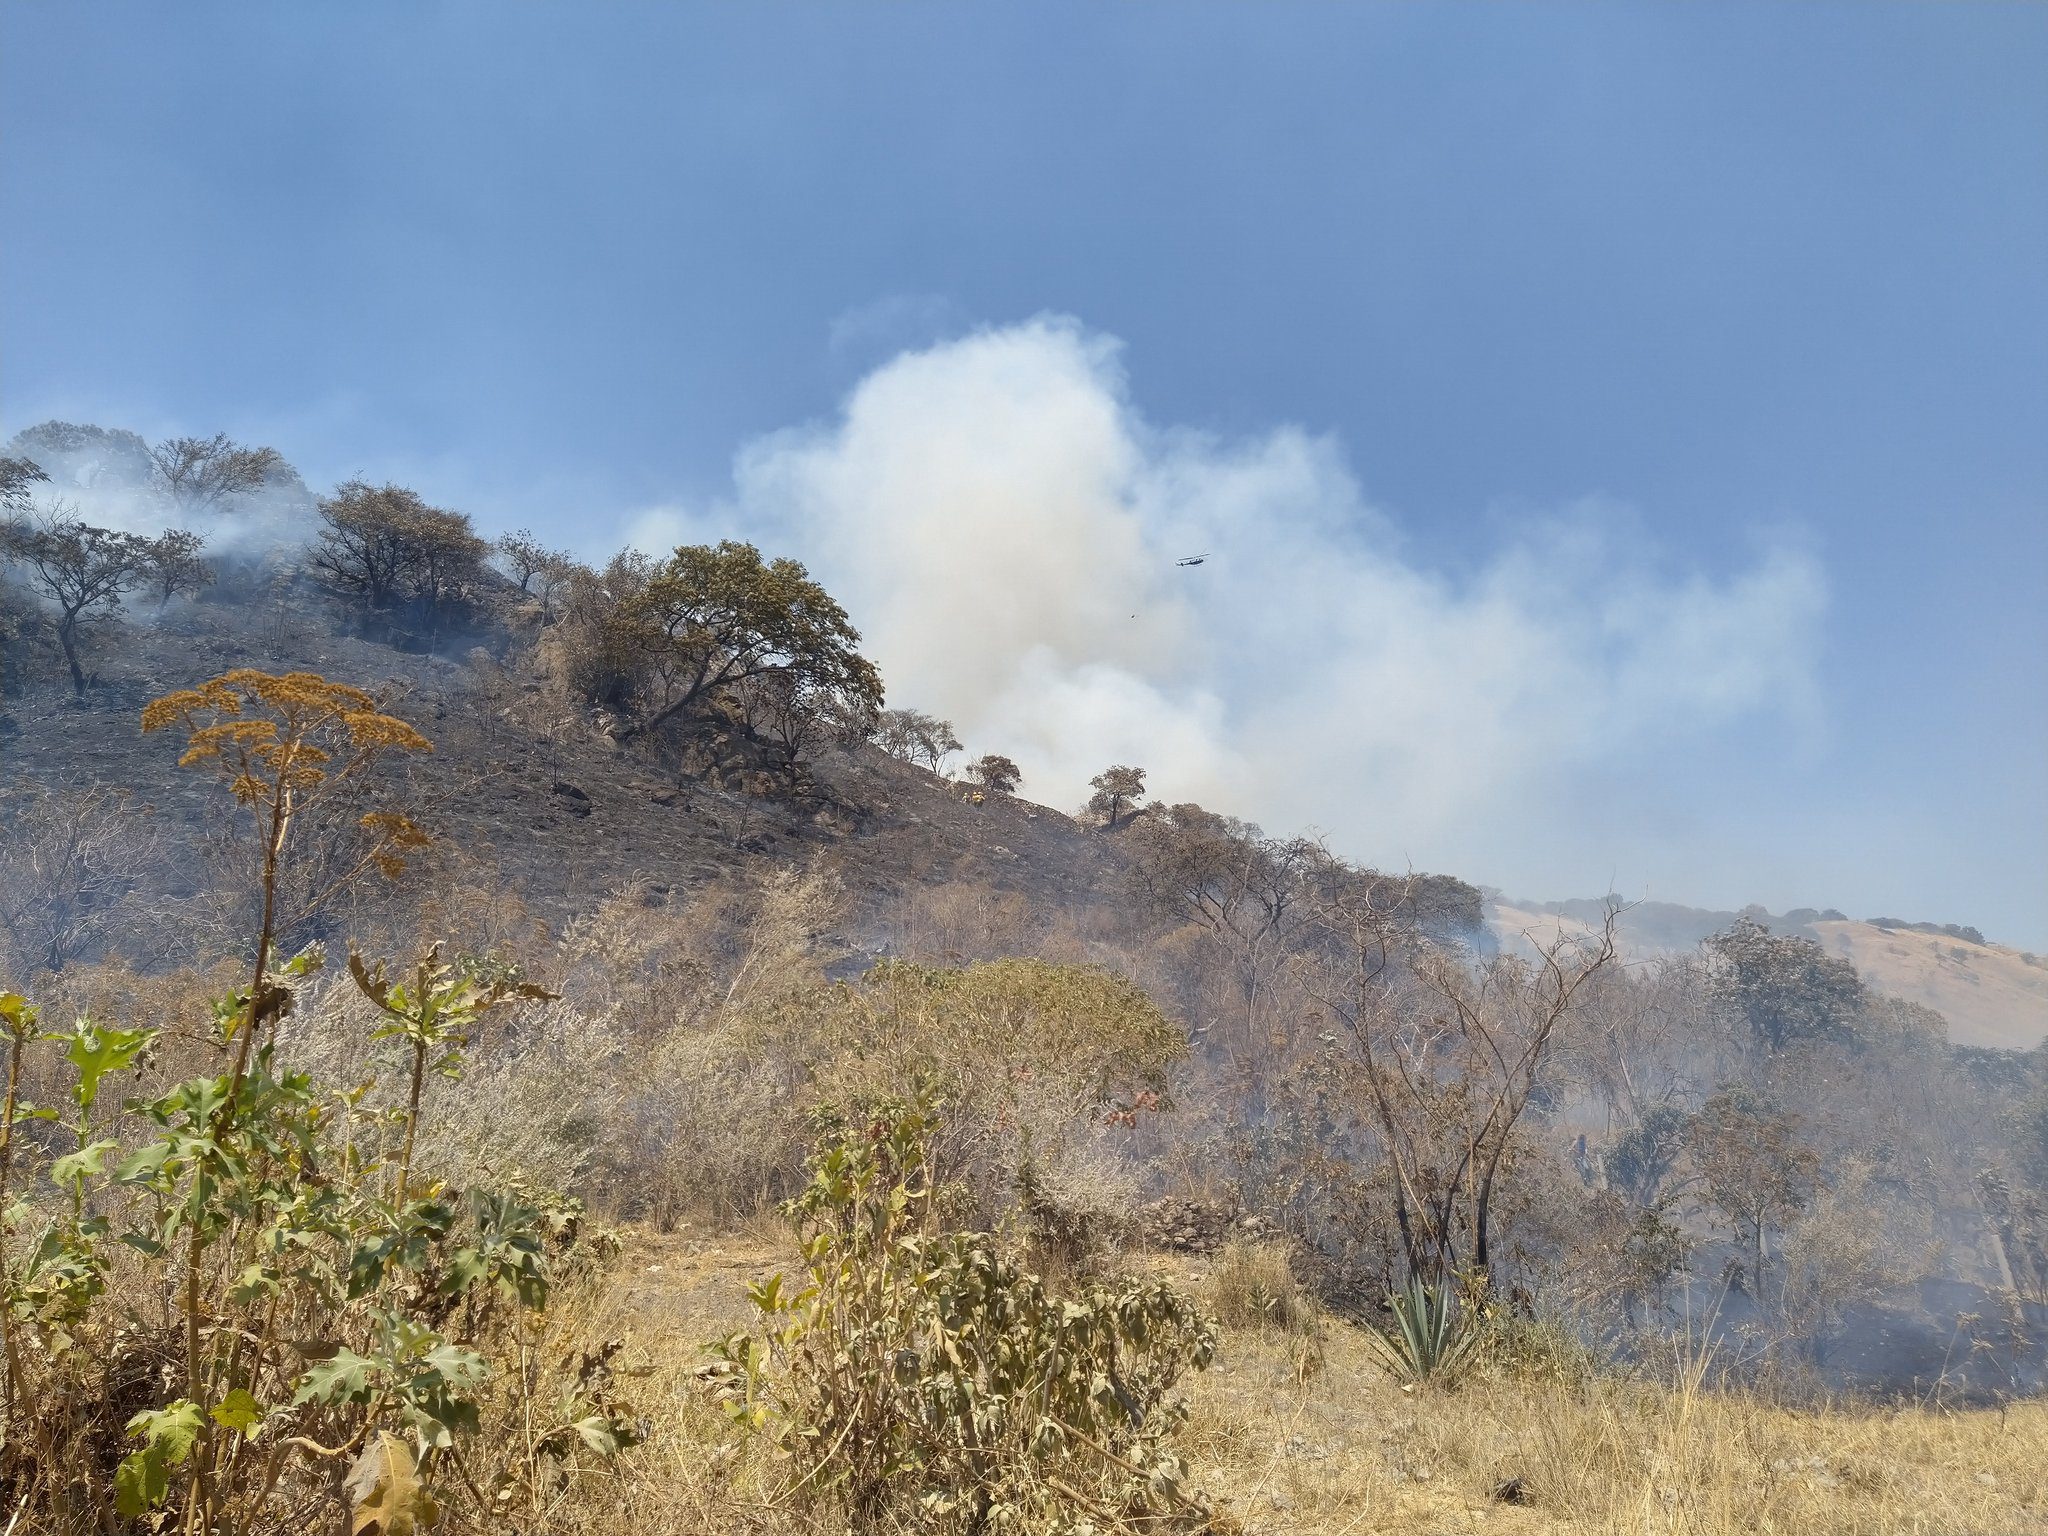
{"x": 1991, "y": 995}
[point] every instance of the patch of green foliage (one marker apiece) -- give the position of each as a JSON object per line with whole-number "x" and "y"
{"x": 914, "y": 1376}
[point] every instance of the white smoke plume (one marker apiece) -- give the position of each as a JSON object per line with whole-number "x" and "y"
{"x": 103, "y": 476}
{"x": 1003, "y": 525}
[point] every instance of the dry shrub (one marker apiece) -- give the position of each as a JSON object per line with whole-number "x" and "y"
{"x": 916, "y": 1376}
{"x": 711, "y": 1125}
{"x": 1252, "y": 1286}
{"x": 1042, "y": 1068}
{"x": 954, "y": 923}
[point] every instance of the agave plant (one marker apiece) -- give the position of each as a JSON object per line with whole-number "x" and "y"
{"x": 1431, "y": 1337}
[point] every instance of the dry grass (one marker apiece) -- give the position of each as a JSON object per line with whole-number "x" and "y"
{"x": 1251, "y": 1288}
{"x": 1351, "y": 1452}
{"x": 1341, "y": 1450}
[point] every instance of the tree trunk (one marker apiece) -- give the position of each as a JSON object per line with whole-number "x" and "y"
{"x": 67, "y": 640}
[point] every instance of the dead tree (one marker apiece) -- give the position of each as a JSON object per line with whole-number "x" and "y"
{"x": 1449, "y": 1051}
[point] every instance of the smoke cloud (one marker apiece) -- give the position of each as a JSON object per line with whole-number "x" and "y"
{"x": 102, "y": 476}
{"x": 1003, "y": 525}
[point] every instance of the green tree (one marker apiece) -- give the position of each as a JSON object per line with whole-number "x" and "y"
{"x": 995, "y": 773}
{"x": 1756, "y": 1171}
{"x": 16, "y": 476}
{"x": 1785, "y": 988}
{"x": 1644, "y": 1155}
{"x": 1117, "y": 790}
{"x": 382, "y": 547}
{"x": 84, "y": 455}
{"x": 598, "y": 647}
{"x": 712, "y": 617}
{"x": 178, "y": 565}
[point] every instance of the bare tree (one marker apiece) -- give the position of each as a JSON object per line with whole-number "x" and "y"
{"x": 73, "y": 866}
{"x": 540, "y": 571}
{"x": 522, "y": 557}
{"x": 916, "y": 737}
{"x": 1644, "y": 1030}
{"x": 1231, "y": 879}
{"x": 82, "y": 571}
{"x": 550, "y": 582}
{"x": 1449, "y": 1051}
{"x": 797, "y": 712}
{"x": 202, "y": 472}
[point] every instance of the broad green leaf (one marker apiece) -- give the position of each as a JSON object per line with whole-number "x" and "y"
{"x": 598, "y": 1433}
{"x": 76, "y": 1167}
{"x": 252, "y": 1284}
{"x": 143, "y": 1166}
{"x": 143, "y": 1478}
{"x": 237, "y": 1411}
{"x": 95, "y": 1052}
{"x": 343, "y": 1377}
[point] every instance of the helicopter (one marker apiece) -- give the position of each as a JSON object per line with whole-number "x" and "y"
{"x": 1192, "y": 559}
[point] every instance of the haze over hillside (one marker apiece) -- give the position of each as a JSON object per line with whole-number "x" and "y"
{"x": 1027, "y": 382}
{"x": 1015, "y": 570}
{"x": 1990, "y": 994}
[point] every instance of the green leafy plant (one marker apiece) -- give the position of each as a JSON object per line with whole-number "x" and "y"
{"x": 296, "y": 1295}
{"x": 918, "y": 1375}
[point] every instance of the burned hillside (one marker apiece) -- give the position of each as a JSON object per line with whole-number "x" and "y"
{"x": 675, "y": 791}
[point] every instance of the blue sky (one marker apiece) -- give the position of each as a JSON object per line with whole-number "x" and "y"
{"x": 1738, "y": 278}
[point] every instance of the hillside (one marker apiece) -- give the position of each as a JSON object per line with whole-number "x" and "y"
{"x": 550, "y": 808}
{"x": 1991, "y": 995}
{"x": 542, "y": 803}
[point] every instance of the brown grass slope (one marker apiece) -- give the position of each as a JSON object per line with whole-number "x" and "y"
{"x": 1298, "y": 1431}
